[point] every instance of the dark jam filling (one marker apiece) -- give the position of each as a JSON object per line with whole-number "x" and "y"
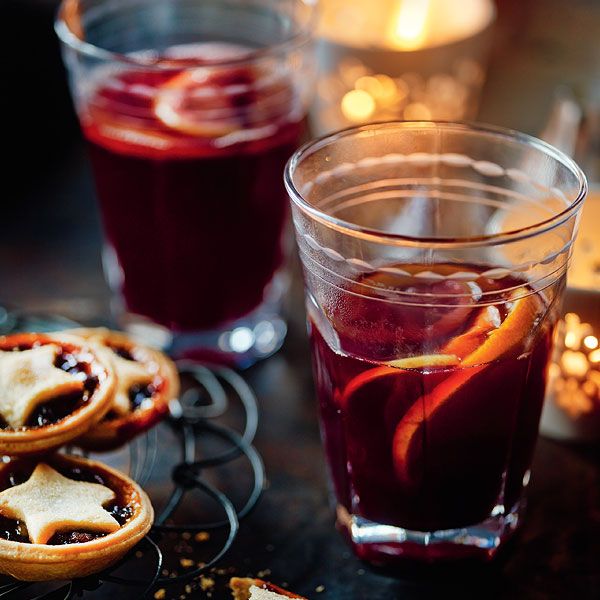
{"x": 122, "y": 352}
{"x": 56, "y": 409}
{"x": 15, "y": 531}
{"x": 138, "y": 394}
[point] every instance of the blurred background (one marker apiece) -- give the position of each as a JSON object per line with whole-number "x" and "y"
{"x": 49, "y": 231}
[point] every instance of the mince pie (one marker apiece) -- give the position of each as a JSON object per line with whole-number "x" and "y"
{"x": 247, "y": 588}
{"x": 51, "y": 390}
{"x": 66, "y": 517}
{"x": 146, "y": 382}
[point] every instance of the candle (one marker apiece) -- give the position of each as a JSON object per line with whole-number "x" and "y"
{"x": 400, "y": 59}
{"x": 572, "y": 409}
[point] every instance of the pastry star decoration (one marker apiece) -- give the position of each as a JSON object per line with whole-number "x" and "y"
{"x": 129, "y": 373}
{"x": 29, "y": 378}
{"x": 49, "y": 503}
{"x": 262, "y": 594}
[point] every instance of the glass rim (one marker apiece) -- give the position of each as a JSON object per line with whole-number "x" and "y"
{"x": 375, "y": 235}
{"x": 68, "y": 37}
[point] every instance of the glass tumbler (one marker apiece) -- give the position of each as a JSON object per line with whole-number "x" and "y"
{"x": 190, "y": 109}
{"x": 434, "y": 257}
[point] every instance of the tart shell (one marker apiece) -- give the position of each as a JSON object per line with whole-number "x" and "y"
{"x": 40, "y": 562}
{"x": 33, "y": 440}
{"x": 110, "y": 434}
{"x": 240, "y": 588}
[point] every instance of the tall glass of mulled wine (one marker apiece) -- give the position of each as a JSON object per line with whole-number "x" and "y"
{"x": 435, "y": 257}
{"x": 190, "y": 109}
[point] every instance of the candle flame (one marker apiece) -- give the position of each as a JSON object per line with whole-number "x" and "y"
{"x": 410, "y": 24}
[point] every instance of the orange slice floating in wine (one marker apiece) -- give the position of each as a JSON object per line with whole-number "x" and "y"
{"x": 393, "y": 369}
{"x": 501, "y": 342}
{"x": 425, "y": 360}
{"x": 487, "y": 320}
{"x": 191, "y": 103}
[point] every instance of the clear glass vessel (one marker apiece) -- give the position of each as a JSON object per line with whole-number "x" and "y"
{"x": 191, "y": 109}
{"x": 435, "y": 257}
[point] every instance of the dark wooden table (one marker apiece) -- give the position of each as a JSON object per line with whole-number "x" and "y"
{"x": 49, "y": 260}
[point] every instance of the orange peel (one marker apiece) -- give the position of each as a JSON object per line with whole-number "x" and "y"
{"x": 393, "y": 369}
{"x": 487, "y": 320}
{"x": 425, "y": 360}
{"x": 168, "y": 109}
{"x": 500, "y": 343}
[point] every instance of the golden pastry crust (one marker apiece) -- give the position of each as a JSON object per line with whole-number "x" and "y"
{"x": 41, "y": 562}
{"x": 241, "y": 588}
{"x": 113, "y": 432}
{"x": 33, "y": 440}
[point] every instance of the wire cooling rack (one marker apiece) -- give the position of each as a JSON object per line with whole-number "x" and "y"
{"x": 211, "y": 393}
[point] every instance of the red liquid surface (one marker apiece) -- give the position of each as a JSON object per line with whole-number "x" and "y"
{"x": 431, "y": 447}
{"x": 188, "y": 168}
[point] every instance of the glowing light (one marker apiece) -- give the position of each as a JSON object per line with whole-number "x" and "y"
{"x": 409, "y": 26}
{"x": 417, "y": 111}
{"x": 571, "y": 340}
{"x": 575, "y": 380}
{"x": 589, "y": 387}
{"x": 358, "y": 105}
{"x": 388, "y": 88}
{"x": 574, "y": 363}
{"x": 241, "y": 339}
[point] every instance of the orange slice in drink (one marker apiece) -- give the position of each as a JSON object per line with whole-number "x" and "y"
{"x": 501, "y": 342}
{"x": 192, "y": 103}
{"x": 394, "y": 370}
{"x": 487, "y": 320}
{"x": 425, "y": 360}
{"x": 372, "y": 404}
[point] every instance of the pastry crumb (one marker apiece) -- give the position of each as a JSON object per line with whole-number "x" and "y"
{"x": 263, "y": 573}
{"x": 319, "y": 589}
{"x": 202, "y": 536}
{"x": 206, "y": 583}
{"x": 186, "y": 563}
{"x": 160, "y": 594}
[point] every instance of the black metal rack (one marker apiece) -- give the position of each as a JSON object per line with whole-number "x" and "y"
{"x": 196, "y": 414}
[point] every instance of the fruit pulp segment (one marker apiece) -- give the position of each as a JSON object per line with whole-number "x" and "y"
{"x": 438, "y": 446}
{"x": 188, "y": 169}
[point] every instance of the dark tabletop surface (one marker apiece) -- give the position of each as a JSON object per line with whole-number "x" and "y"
{"x": 49, "y": 260}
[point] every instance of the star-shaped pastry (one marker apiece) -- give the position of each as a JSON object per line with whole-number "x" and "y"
{"x": 129, "y": 374}
{"x": 49, "y": 503}
{"x": 29, "y": 378}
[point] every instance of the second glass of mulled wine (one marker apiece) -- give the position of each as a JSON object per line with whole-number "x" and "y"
{"x": 435, "y": 258}
{"x": 191, "y": 109}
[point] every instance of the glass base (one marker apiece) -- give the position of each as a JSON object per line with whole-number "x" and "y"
{"x": 386, "y": 545}
{"x": 239, "y": 344}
